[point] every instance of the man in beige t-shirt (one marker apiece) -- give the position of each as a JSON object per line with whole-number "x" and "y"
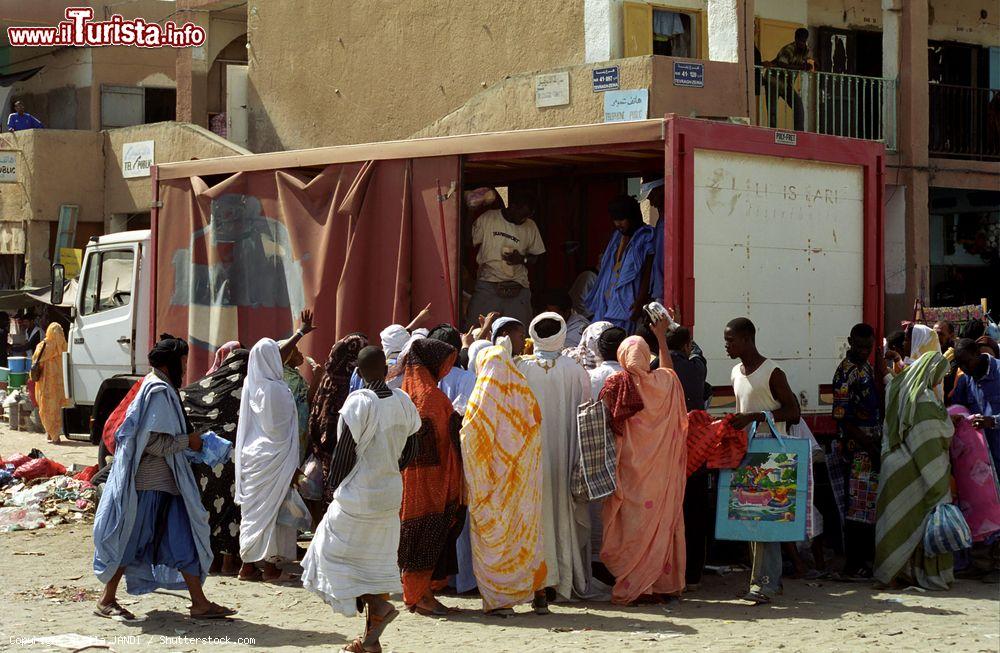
{"x": 508, "y": 240}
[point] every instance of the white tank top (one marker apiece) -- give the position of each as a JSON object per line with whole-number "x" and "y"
{"x": 753, "y": 393}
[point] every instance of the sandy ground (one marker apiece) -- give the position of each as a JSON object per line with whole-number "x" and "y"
{"x": 810, "y": 616}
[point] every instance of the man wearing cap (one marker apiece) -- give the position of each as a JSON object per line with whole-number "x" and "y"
{"x": 508, "y": 241}
{"x": 623, "y": 284}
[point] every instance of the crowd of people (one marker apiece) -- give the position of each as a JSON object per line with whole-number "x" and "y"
{"x": 442, "y": 458}
{"x": 453, "y": 465}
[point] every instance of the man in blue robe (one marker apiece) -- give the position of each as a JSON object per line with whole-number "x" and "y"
{"x": 623, "y": 282}
{"x": 151, "y": 526}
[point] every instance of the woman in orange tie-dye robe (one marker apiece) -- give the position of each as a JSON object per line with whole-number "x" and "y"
{"x": 644, "y": 519}
{"x": 502, "y": 453}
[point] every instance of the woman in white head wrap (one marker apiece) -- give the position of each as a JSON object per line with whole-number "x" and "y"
{"x": 266, "y": 457}
{"x": 560, "y": 385}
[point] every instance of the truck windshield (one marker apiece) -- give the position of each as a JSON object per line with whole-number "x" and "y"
{"x": 109, "y": 281}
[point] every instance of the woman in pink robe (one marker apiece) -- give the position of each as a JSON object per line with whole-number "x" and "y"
{"x": 644, "y": 518}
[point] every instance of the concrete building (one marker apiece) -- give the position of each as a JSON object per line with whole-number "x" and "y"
{"x": 65, "y": 183}
{"x": 921, "y": 76}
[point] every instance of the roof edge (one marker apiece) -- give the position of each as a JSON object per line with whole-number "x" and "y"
{"x": 525, "y": 139}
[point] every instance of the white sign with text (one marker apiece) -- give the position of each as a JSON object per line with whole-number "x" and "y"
{"x": 552, "y": 90}
{"x": 8, "y": 167}
{"x": 136, "y": 159}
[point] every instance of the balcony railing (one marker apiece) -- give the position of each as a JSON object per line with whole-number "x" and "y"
{"x": 827, "y": 103}
{"x": 964, "y": 122}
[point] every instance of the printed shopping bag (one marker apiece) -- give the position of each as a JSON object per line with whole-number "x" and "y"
{"x": 766, "y": 499}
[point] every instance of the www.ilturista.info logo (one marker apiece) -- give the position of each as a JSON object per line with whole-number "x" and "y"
{"x": 80, "y": 29}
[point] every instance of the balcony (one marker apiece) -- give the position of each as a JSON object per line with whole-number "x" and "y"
{"x": 827, "y": 103}
{"x": 964, "y": 122}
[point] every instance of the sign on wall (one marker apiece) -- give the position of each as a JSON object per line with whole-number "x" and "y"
{"x": 605, "y": 79}
{"x": 623, "y": 106}
{"x": 8, "y": 167}
{"x": 71, "y": 260}
{"x": 552, "y": 90}
{"x": 136, "y": 159}
{"x": 689, "y": 74}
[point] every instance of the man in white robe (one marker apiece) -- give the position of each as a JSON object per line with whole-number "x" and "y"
{"x": 352, "y": 559}
{"x": 267, "y": 459}
{"x": 560, "y": 385}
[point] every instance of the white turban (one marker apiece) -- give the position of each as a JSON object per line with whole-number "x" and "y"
{"x": 394, "y": 338}
{"x": 553, "y": 343}
{"x": 476, "y": 348}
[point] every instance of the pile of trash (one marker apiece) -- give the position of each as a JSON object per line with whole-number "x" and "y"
{"x": 36, "y": 492}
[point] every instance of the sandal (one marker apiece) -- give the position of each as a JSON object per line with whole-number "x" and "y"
{"x": 503, "y": 613}
{"x": 215, "y": 612}
{"x": 114, "y": 611}
{"x": 254, "y": 578}
{"x": 358, "y": 646}
{"x": 284, "y": 578}
{"x": 757, "y": 598}
{"x": 540, "y": 604}
{"x": 424, "y": 612}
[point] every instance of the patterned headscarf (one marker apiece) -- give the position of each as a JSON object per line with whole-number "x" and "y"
{"x": 587, "y": 353}
{"x": 222, "y": 353}
{"x": 331, "y": 395}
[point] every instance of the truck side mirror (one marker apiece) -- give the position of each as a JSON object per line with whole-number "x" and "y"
{"x": 58, "y": 284}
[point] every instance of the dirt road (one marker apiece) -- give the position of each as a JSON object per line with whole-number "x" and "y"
{"x": 810, "y": 616}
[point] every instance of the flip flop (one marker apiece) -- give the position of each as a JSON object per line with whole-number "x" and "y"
{"x": 283, "y": 579}
{"x": 256, "y": 578}
{"x": 217, "y": 612}
{"x": 114, "y": 611}
{"x": 503, "y": 613}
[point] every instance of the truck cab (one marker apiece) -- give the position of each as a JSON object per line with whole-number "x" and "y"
{"x": 108, "y": 339}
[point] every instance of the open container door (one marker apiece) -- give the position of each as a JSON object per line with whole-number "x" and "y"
{"x": 784, "y": 228}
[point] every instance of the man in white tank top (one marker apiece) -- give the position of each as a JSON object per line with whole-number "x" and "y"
{"x": 759, "y": 385}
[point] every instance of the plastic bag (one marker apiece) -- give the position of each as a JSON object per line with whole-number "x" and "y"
{"x": 39, "y": 468}
{"x": 17, "y": 460}
{"x": 311, "y": 486}
{"x": 946, "y": 531}
{"x": 87, "y": 473}
{"x": 293, "y": 512}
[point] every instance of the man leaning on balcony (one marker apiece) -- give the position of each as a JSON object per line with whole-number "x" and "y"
{"x": 794, "y": 56}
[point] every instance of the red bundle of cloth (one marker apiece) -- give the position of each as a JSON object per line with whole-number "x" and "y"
{"x": 714, "y": 442}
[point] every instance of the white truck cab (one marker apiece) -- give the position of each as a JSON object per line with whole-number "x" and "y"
{"x": 108, "y": 340}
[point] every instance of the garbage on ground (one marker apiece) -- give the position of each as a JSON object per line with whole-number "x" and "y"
{"x": 39, "y": 468}
{"x": 62, "y": 593}
{"x": 37, "y": 504}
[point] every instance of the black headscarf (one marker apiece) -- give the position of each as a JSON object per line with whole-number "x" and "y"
{"x": 168, "y": 353}
{"x": 449, "y": 334}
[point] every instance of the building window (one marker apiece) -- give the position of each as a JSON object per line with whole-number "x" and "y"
{"x": 664, "y": 30}
{"x": 124, "y": 106}
{"x": 109, "y": 281}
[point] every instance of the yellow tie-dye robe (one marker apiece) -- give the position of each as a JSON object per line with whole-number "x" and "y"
{"x": 502, "y": 454}
{"x": 49, "y": 392}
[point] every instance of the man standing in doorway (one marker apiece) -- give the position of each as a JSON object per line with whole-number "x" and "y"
{"x": 508, "y": 240}
{"x": 623, "y": 282}
{"x": 759, "y": 385}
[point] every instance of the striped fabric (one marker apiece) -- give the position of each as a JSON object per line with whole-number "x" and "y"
{"x": 594, "y": 474}
{"x": 915, "y": 476}
{"x": 947, "y": 531}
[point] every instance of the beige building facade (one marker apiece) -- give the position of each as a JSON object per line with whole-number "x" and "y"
{"x": 80, "y": 173}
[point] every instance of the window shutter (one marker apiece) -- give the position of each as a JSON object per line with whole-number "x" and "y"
{"x": 637, "y": 23}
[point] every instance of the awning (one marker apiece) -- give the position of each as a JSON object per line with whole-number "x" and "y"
{"x": 12, "y": 78}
